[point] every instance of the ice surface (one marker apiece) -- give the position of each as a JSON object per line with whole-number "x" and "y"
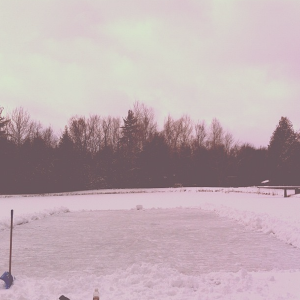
{"x": 185, "y": 243}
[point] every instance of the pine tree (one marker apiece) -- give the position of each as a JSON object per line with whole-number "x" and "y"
{"x": 67, "y": 169}
{"x": 7, "y": 159}
{"x": 155, "y": 162}
{"x": 128, "y": 157}
{"x": 282, "y": 147}
{"x": 3, "y": 123}
{"x": 129, "y": 134}
{"x": 66, "y": 144}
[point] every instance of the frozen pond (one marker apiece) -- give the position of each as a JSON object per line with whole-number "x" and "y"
{"x": 189, "y": 240}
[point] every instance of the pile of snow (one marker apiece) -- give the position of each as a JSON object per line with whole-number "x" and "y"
{"x": 286, "y": 230}
{"x": 21, "y": 219}
{"x": 247, "y": 190}
{"x": 155, "y": 282}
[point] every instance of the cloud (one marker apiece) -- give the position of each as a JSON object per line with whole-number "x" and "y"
{"x": 265, "y": 33}
{"x": 232, "y": 60}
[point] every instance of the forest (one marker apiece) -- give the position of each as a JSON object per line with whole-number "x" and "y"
{"x": 98, "y": 152}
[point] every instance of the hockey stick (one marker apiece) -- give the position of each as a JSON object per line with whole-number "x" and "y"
{"x": 7, "y": 277}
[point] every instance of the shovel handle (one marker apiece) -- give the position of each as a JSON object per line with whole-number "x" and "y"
{"x": 11, "y": 229}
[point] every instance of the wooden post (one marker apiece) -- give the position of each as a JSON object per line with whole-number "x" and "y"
{"x": 285, "y": 194}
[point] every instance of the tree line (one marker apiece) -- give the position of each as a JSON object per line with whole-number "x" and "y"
{"x": 130, "y": 152}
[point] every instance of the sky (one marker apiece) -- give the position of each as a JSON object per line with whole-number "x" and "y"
{"x": 234, "y": 60}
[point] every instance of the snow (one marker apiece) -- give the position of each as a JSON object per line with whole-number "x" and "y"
{"x": 265, "y": 181}
{"x": 179, "y": 243}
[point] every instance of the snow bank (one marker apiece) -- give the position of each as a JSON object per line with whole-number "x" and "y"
{"x": 146, "y": 281}
{"x": 287, "y": 231}
{"x": 29, "y": 217}
{"x": 247, "y": 190}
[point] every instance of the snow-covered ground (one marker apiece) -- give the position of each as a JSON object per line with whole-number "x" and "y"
{"x": 186, "y": 243}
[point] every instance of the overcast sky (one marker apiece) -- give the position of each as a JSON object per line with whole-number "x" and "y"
{"x": 234, "y": 60}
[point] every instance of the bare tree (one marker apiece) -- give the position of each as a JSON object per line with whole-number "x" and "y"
{"x": 49, "y": 137}
{"x": 35, "y": 131}
{"x": 200, "y": 134}
{"x": 168, "y": 131}
{"x": 145, "y": 122}
{"x": 228, "y": 142}
{"x": 185, "y": 128}
{"x": 107, "y": 131}
{"x": 216, "y": 134}
{"x": 79, "y": 132}
{"x": 116, "y": 133}
{"x": 20, "y": 126}
{"x": 178, "y": 133}
{"x": 94, "y": 134}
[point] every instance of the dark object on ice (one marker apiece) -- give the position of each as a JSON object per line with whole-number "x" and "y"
{"x": 6, "y": 276}
{"x": 62, "y": 297}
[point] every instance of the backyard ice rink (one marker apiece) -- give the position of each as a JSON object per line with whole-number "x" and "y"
{"x": 187, "y": 243}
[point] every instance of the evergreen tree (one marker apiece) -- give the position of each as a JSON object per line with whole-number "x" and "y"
{"x": 104, "y": 168}
{"x": 282, "y": 151}
{"x": 42, "y": 166}
{"x": 65, "y": 144}
{"x": 66, "y": 166}
{"x": 129, "y": 133}
{"x": 201, "y": 167}
{"x": 129, "y": 151}
{"x": 155, "y": 163}
{"x": 7, "y": 159}
{"x": 3, "y": 123}
{"x": 251, "y": 165}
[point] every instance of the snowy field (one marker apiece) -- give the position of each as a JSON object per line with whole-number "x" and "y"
{"x": 186, "y": 243}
